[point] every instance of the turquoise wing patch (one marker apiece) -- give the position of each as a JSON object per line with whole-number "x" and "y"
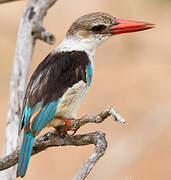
{"x": 89, "y": 73}
{"x": 44, "y": 117}
{"x": 27, "y": 113}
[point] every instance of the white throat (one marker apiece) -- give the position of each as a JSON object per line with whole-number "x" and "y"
{"x": 74, "y": 44}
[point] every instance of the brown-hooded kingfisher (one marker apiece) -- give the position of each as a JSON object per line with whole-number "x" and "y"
{"x": 61, "y": 81}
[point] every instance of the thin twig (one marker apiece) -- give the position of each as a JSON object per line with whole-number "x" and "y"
{"x": 76, "y": 124}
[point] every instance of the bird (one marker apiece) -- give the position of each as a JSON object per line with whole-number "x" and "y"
{"x": 61, "y": 81}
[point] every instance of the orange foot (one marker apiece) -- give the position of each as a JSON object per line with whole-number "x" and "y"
{"x": 67, "y": 121}
{"x": 57, "y": 128}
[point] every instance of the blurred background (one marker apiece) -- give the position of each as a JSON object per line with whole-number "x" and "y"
{"x": 132, "y": 73}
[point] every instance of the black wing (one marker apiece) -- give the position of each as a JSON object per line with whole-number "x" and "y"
{"x": 53, "y": 76}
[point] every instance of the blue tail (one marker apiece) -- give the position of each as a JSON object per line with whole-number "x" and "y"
{"x": 25, "y": 153}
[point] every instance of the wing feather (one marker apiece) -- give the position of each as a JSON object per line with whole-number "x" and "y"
{"x": 51, "y": 79}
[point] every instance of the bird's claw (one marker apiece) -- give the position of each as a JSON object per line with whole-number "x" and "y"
{"x": 62, "y": 130}
{"x": 73, "y": 132}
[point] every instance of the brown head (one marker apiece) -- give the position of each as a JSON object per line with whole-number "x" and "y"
{"x": 88, "y": 31}
{"x": 89, "y": 24}
{"x": 101, "y": 26}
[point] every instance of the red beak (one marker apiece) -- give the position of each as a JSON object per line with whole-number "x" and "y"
{"x": 127, "y": 26}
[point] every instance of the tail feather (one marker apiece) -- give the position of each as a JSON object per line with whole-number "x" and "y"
{"x": 25, "y": 153}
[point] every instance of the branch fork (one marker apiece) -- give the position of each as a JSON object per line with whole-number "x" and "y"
{"x": 51, "y": 139}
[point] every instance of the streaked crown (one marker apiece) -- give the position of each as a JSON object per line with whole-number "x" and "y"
{"x": 89, "y": 24}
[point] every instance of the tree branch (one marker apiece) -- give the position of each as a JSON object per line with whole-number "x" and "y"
{"x": 99, "y": 140}
{"x": 30, "y": 29}
{"x": 51, "y": 139}
{"x": 7, "y": 1}
{"x": 76, "y": 124}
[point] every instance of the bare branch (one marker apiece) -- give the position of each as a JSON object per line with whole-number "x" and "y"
{"x": 41, "y": 33}
{"x": 76, "y": 124}
{"x": 51, "y": 139}
{"x": 100, "y": 143}
{"x": 30, "y": 29}
{"x": 7, "y": 1}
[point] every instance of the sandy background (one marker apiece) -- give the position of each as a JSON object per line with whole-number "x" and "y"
{"x": 132, "y": 73}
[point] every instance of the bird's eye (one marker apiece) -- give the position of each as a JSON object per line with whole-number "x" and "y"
{"x": 98, "y": 28}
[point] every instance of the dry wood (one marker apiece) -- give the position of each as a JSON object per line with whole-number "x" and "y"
{"x": 51, "y": 139}
{"x": 30, "y": 29}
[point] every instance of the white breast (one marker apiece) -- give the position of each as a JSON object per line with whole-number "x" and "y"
{"x": 70, "y": 103}
{"x": 73, "y": 97}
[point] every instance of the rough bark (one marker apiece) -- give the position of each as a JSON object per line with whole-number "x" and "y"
{"x": 99, "y": 140}
{"x": 30, "y": 29}
{"x": 51, "y": 139}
